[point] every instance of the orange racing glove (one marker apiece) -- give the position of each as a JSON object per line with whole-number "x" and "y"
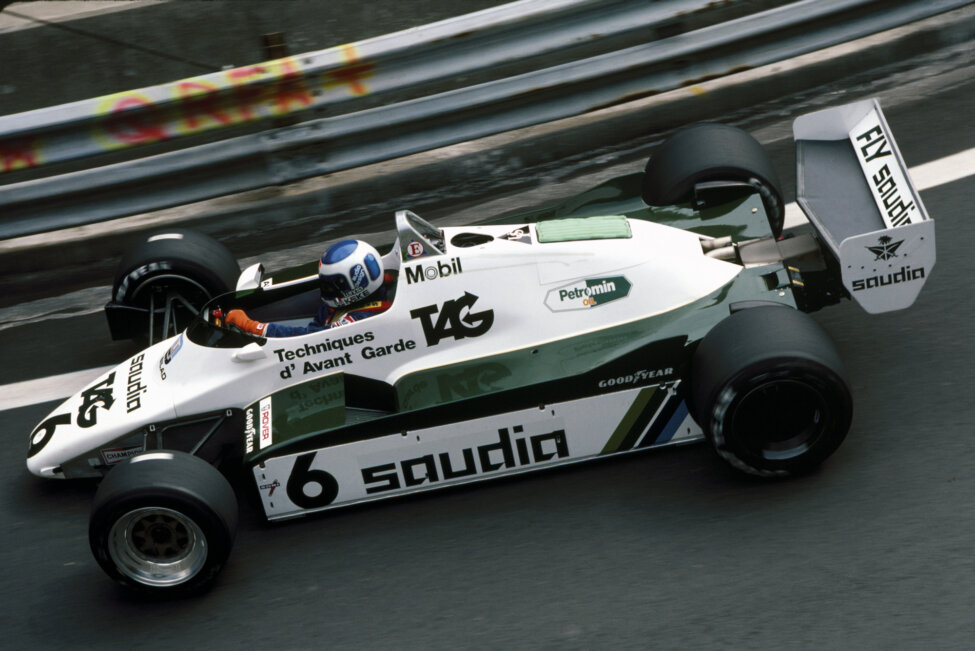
{"x": 240, "y": 320}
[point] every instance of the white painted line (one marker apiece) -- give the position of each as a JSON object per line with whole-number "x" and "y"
{"x": 57, "y": 387}
{"x": 22, "y": 394}
{"x": 944, "y": 170}
{"x": 62, "y": 11}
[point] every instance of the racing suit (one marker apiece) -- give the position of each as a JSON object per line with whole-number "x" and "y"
{"x": 332, "y": 317}
{"x": 326, "y": 316}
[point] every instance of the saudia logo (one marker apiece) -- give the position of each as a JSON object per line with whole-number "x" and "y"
{"x": 134, "y": 387}
{"x": 885, "y": 249}
{"x": 588, "y": 293}
{"x": 502, "y": 454}
{"x": 904, "y": 275}
{"x": 420, "y": 272}
{"x": 888, "y": 188}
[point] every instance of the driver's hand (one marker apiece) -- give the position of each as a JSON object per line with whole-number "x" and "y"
{"x": 241, "y": 321}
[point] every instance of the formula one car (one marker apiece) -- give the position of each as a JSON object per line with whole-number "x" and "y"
{"x": 655, "y": 310}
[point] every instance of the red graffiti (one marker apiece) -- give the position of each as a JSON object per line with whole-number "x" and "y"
{"x": 248, "y": 95}
{"x": 232, "y": 97}
{"x": 198, "y": 101}
{"x": 292, "y": 88}
{"x": 18, "y": 153}
{"x": 352, "y": 74}
{"x": 135, "y": 128}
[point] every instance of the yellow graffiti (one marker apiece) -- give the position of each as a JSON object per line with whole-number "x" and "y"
{"x": 124, "y": 125}
{"x": 200, "y": 106}
{"x": 19, "y": 153}
{"x": 197, "y": 104}
{"x": 352, "y": 74}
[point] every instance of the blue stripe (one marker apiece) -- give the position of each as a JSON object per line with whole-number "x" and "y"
{"x": 660, "y": 421}
{"x": 671, "y": 428}
{"x": 339, "y": 251}
{"x": 373, "y": 266}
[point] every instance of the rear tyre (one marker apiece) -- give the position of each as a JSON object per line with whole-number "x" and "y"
{"x": 769, "y": 390}
{"x": 163, "y": 523}
{"x": 170, "y": 275}
{"x": 711, "y": 152}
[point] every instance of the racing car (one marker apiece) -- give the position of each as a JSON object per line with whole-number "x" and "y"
{"x": 658, "y": 309}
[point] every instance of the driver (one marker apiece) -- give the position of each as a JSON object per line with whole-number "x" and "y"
{"x": 353, "y": 285}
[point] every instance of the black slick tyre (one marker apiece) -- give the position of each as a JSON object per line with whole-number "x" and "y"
{"x": 710, "y": 152}
{"x": 163, "y": 523}
{"x": 769, "y": 390}
{"x": 173, "y": 272}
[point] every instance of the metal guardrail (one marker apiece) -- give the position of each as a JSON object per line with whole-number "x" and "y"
{"x": 350, "y": 77}
{"x": 409, "y": 60}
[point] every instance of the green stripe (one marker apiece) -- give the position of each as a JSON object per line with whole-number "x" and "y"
{"x": 642, "y": 421}
{"x": 626, "y": 424}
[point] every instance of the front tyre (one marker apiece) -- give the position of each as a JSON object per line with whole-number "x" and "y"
{"x": 768, "y": 388}
{"x": 168, "y": 276}
{"x": 163, "y": 523}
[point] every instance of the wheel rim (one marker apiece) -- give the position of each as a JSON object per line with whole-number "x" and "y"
{"x": 157, "y": 546}
{"x": 172, "y": 298}
{"x": 782, "y": 419}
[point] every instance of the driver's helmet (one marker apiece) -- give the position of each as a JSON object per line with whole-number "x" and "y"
{"x": 349, "y": 271}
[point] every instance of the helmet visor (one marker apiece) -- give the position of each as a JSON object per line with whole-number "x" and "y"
{"x": 334, "y": 286}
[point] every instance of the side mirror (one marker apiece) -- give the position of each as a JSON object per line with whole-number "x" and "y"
{"x": 251, "y": 277}
{"x": 250, "y": 353}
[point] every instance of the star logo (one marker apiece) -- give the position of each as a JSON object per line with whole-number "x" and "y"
{"x": 887, "y": 248}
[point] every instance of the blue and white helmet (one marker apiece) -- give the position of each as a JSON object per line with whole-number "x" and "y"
{"x": 349, "y": 271}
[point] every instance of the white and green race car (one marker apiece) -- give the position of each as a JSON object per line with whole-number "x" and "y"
{"x": 658, "y": 309}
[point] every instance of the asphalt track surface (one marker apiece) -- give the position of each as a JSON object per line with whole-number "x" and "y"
{"x": 660, "y": 550}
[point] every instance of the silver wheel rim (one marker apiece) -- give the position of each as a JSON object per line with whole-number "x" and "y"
{"x": 157, "y": 546}
{"x": 175, "y": 293}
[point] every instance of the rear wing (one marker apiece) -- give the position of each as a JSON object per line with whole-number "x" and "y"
{"x": 855, "y": 189}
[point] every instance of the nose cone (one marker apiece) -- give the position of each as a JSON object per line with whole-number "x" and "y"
{"x": 81, "y": 432}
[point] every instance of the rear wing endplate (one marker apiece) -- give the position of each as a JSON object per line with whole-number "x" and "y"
{"x": 855, "y": 189}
